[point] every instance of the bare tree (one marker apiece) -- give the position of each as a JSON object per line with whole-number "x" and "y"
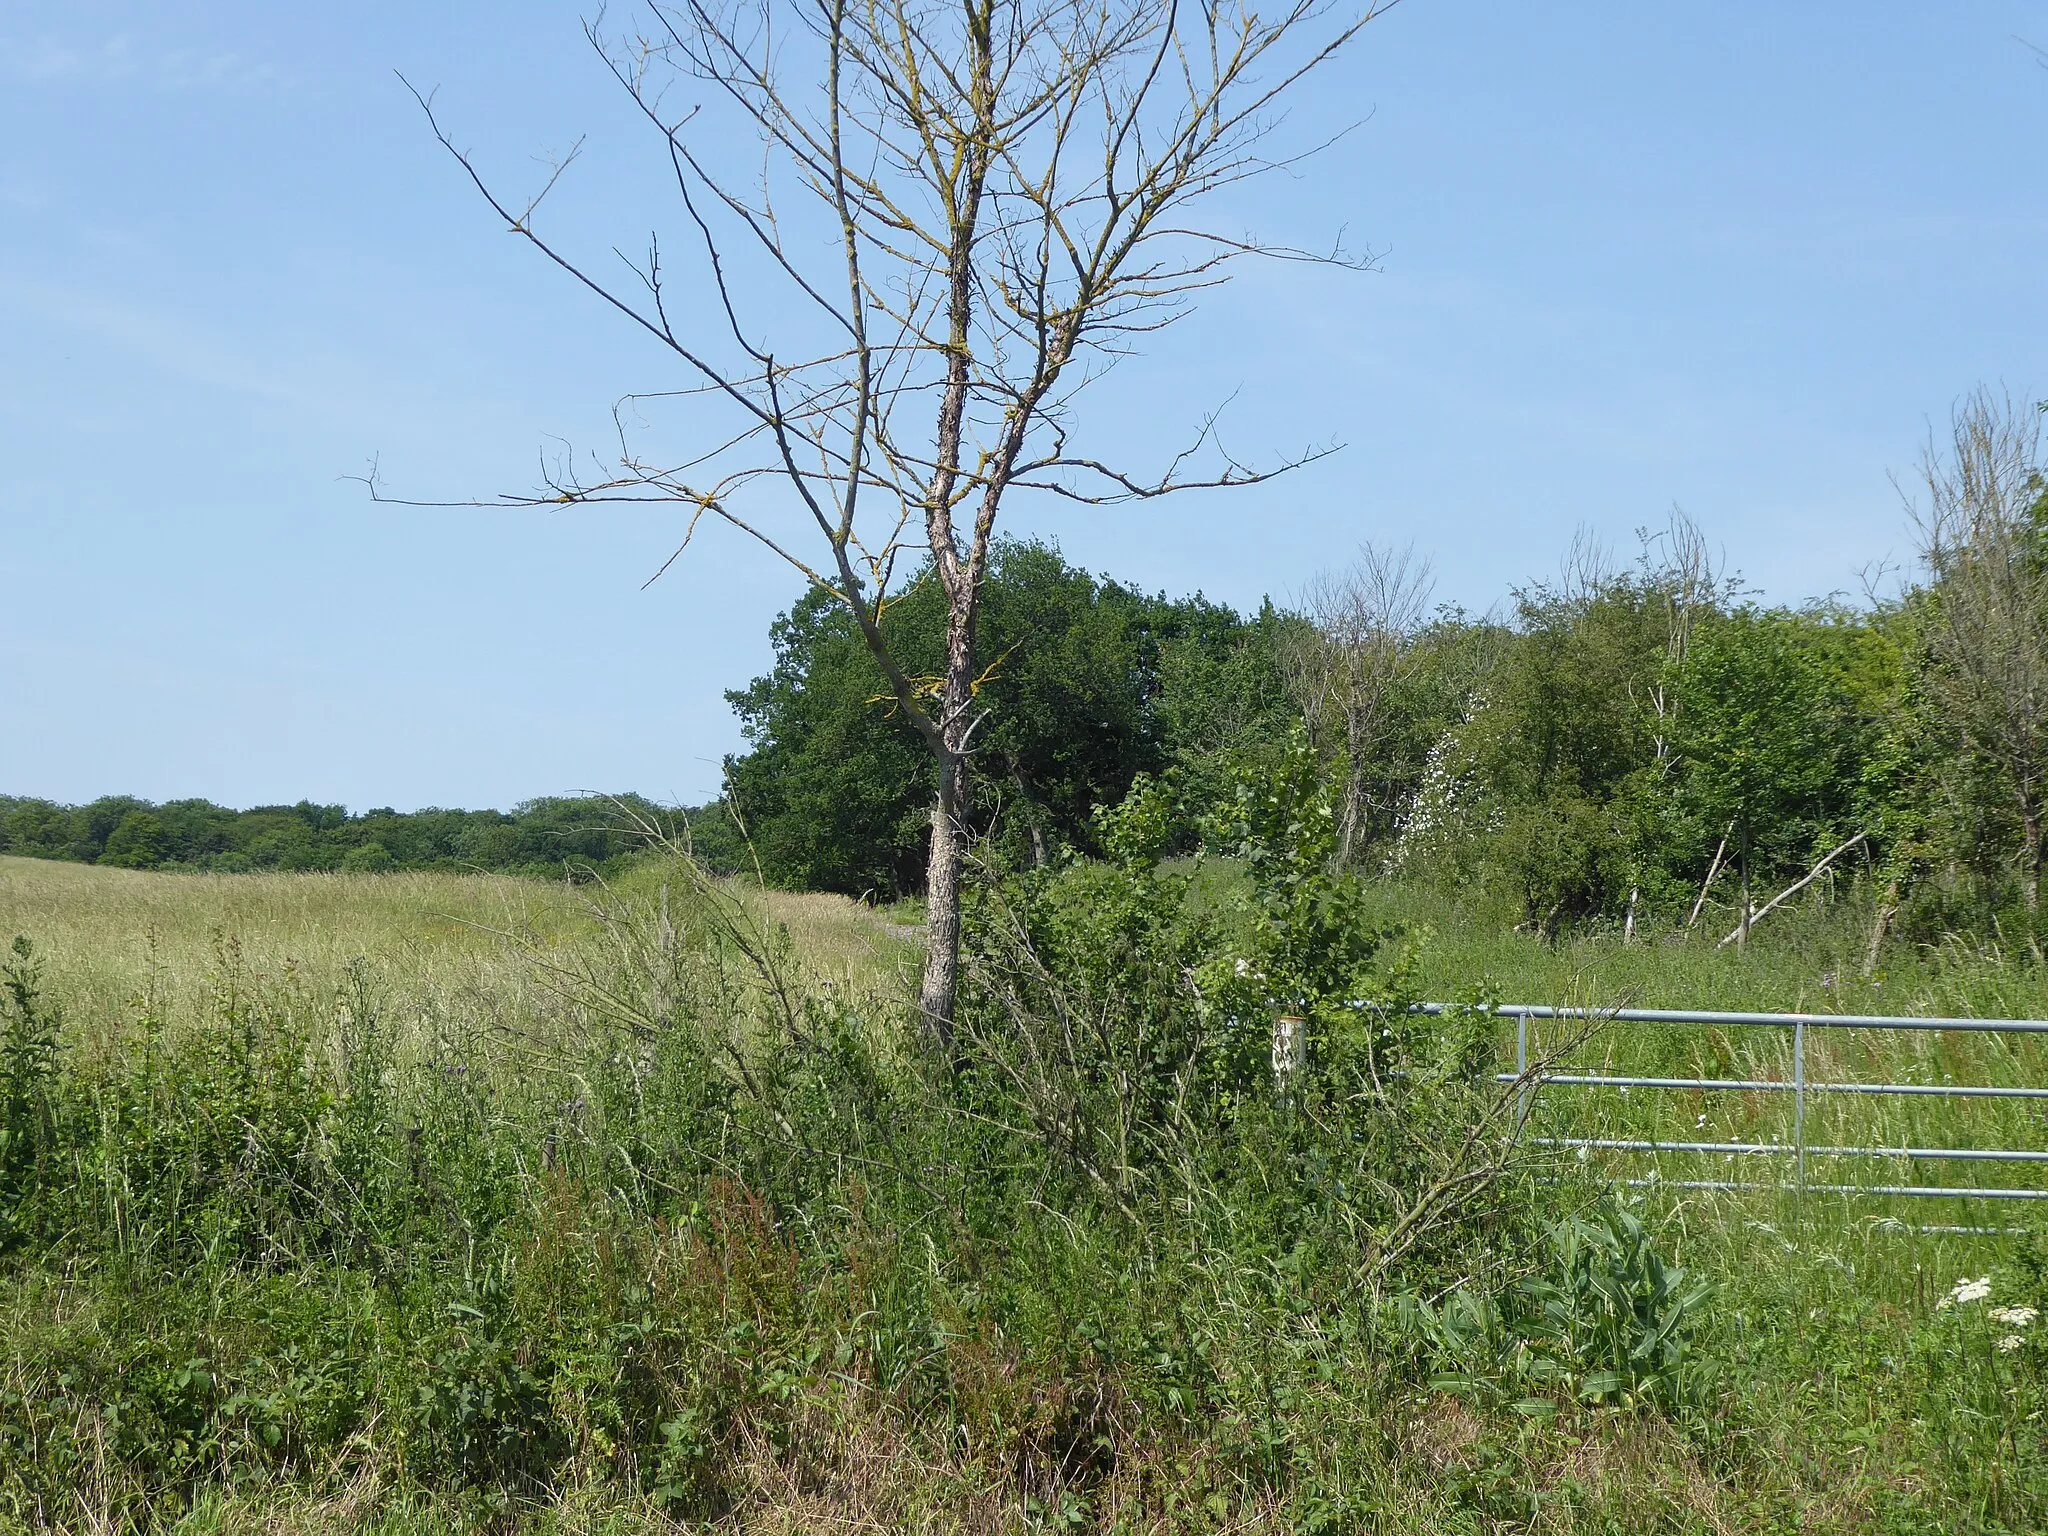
{"x": 971, "y": 208}
{"x": 1345, "y": 672}
{"x": 1983, "y": 531}
{"x": 1681, "y": 576}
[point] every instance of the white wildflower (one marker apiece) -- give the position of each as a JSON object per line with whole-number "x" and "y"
{"x": 2009, "y": 1343}
{"x": 1965, "y": 1291}
{"x": 2013, "y": 1317}
{"x": 1244, "y": 967}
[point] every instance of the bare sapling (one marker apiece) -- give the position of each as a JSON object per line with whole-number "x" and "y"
{"x": 1347, "y": 670}
{"x": 1686, "y": 584}
{"x": 1713, "y": 869}
{"x": 918, "y": 231}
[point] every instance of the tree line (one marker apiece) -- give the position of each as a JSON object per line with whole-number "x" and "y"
{"x": 1625, "y": 743}
{"x": 546, "y": 837}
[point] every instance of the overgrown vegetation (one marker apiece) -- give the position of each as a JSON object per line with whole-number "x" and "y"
{"x": 1641, "y": 746}
{"x": 660, "y": 1220}
{"x": 698, "y": 1215}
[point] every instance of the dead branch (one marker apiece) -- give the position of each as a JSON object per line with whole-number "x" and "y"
{"x": 1791, "y": 890}
{"x": 1713, "y": 869}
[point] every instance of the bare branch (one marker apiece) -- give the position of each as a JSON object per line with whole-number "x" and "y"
{"x": 1344, "y": 671}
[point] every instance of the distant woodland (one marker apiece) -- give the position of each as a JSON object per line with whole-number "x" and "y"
{"x": 541, "y": 837}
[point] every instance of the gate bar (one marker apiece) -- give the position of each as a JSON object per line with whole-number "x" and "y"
{"x": 1816, "y": 1020}
{"x": 1774, "y": 1085}
{"x": 1783, "y": 1149}
{"x": 1529, "y": 1083}
{"x": 1943, "y": 1191}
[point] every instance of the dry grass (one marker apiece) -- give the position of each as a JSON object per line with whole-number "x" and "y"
{"x": 445, "y": 946}
{"x": 837, "y": 940}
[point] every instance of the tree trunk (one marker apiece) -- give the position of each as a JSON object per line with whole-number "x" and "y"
{"x": 1887, "y": 909}
{"x": 2030, "y": 831}
{"x": 1354, "y": 809}
{"x": 942, "y": 906}
{"x": 1034, "y": 820}
{"x": 1354, "y": 797}
{"x": 955, "y": 719}
{"x": 1354, "y": 794}
{"x": 1742, "y": 942}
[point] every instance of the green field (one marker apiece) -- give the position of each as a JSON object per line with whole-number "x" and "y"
{"x": 363, "y": 1218}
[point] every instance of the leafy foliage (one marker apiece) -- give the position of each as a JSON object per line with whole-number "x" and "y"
{"x": 28, "y": 1059}
{"x": 1606, "y": 1319}
{"x": 723, "y": 1200}
{"x": 542, "y": 837}
{"x": 1086, "y": 684}
{"x": 1780, "y": 719}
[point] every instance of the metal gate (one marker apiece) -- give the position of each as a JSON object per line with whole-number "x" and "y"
{"x": 1799, "y": 1086}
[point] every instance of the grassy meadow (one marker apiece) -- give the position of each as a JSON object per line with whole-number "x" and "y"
{"x": 425, "y": 1203}
{"x": 439, "y": 939}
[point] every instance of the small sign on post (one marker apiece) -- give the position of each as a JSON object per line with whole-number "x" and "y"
{"x": 1290, "y": 1047}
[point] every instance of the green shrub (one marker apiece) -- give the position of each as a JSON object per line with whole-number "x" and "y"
{"x": 1606, "y": 1319}
{"x": 368, "y": 859}
{"x": 136, "y": 843}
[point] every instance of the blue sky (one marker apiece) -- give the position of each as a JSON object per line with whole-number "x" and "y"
{"x": 1735, "y": 258}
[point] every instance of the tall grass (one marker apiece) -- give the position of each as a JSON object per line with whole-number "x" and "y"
{"x": 437, "y": 944}
{"x": 423, "y": 1203}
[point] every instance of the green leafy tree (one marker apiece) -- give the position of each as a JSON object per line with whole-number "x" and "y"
{"x": 1087, "y": 685}
{"x": 832, "y": 792}
{"x": 136, "y": 843}
{"x": 1558, "y": 752}
{"x": 1779, "y": 731}
{"x": 1223, "y": 701}
{"x": 1310, "y": 947}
